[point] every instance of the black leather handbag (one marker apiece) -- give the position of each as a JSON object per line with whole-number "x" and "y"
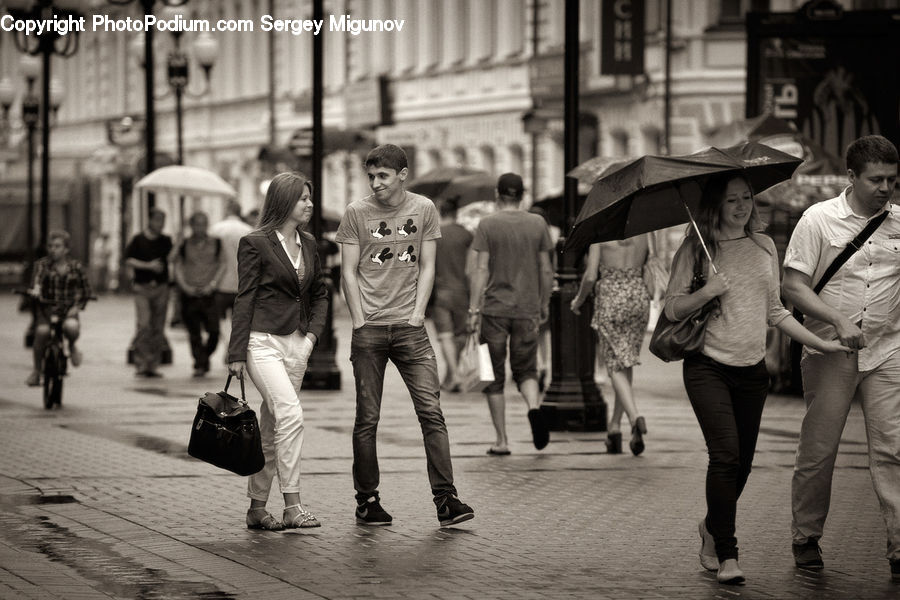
{"x": 676, "y": 340}
{"x": 226, "y": 433}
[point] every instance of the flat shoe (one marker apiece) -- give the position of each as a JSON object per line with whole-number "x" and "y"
{"x": 730, "y": 573}
{"x": 302, "y": 520}
{"x": 267, "y": 522}
{"x": 496, "y": 452}
{"x": 708, "y": 558}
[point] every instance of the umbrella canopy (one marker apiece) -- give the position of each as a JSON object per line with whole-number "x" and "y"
{"x": 651, "y": 192}
{"x": 467, "y": 189}
{"x": 590, "y": 170}
{"x": 185, "y": 181}
{"x": 432, "y": 183}
{"x": 753, "y": 129}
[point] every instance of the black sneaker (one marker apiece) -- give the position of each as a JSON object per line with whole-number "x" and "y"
{"x": 895, "y": 570}
{"x": 540, "y": 434}
{"x": 371, "y": 513}
{"x": 808, "y": 555}
{"x": 451, "y": 511}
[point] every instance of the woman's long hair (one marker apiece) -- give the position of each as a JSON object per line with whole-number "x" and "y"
{"x": 707, "y": 216}
{"x": 281, "y": 198}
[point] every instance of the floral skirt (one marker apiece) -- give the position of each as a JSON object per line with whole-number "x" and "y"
{"x": 621, "y": 312}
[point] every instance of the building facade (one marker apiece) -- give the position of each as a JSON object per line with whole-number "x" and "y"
{"x": 461, "y": 82}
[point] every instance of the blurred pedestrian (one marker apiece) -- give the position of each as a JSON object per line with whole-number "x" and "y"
{"x": 451, "y": 290}
{"x": 60, "y": 286}
{"x": 199, "y": 266}
{"x": 229, "y": 230}
{"x": 859, "y": 305}
{"x": 509, "y": 299}
{"x": 727, "y": 382}
{"x": 100, "y": 255}
{"x": 614, "y": 272}
{"x": 279, "y": 315}
{"x": 388, "y": 253}
{"x": 148, "y": 255}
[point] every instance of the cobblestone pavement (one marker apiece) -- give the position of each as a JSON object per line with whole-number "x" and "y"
{"x": 100, "y": 500}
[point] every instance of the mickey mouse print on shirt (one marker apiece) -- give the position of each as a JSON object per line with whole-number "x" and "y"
{"x": 393, "y": 242}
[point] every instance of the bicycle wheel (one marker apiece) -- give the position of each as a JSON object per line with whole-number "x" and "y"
{"x": 54, "y": 367}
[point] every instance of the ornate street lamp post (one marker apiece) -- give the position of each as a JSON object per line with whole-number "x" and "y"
{"x": 572, "y": 402}
{"x": 149, "y": 86}
{"x": 45, "y": 46}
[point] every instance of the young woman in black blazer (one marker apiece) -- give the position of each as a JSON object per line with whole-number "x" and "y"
{"x": 278, "y": 316}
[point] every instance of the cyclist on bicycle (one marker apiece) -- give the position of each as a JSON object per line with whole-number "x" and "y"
{"x": 62, "y": 288}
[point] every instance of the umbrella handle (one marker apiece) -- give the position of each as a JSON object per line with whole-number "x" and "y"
{"x": 700, "y": 237}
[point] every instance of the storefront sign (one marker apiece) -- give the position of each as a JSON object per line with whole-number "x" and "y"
{"x": 622, "y": 37}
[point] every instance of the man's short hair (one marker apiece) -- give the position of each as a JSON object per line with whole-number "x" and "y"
{"x": 870, "y": 149}
{"x": 154, "y": 212}
{"x": 388, "y": 156}
{"x": 449, "y": 207}
{"x": 510, "y": 184}
{"x": 59, "y": 234}
{"x": 198, "y": 215}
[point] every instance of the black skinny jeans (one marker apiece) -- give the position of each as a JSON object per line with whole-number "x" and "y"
{"x": 728, "y": 402}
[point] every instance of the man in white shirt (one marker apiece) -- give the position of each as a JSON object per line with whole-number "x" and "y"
{"x": 859, "y": 305}
{"x": 230, "y": 230}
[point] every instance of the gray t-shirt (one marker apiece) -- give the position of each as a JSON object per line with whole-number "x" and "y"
{"x": 514, "y": 239}
{"x": 389, "y": 241}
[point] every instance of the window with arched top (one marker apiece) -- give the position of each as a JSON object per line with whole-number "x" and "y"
{"x": 435, "y": 159}
{"x": 619, "y": 141}
{"x": 459, "y": 157}
{"x": 517, "y": 159}
{"x": 488, "y": 159}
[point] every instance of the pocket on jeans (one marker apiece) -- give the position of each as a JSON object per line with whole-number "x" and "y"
{"x": 257, "y": 338}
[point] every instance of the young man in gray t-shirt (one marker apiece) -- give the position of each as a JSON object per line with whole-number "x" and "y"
{"x": 509, "y": 300}
{"x": 387, "y": 253}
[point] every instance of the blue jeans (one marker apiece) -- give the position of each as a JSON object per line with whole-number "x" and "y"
{"x": 728, "y": 402}
{"x": 410, "y": 350}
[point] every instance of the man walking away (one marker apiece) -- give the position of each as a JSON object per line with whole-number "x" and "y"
{"x": 229, "y": 230}
{"x": 451, "y": 290}
{"x": 198, "y": 267}
{"x": 509, "y": 299}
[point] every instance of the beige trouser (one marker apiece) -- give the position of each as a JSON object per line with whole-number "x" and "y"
{"x": 276, "y": 364}
{"x": 830, "y": 383}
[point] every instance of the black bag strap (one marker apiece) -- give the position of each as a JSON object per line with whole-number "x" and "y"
{"x": 849, "y": 250}
{"x": 241, "y": 379}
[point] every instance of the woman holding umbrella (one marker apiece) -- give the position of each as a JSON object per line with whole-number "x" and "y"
{"x": 727, "y": 381}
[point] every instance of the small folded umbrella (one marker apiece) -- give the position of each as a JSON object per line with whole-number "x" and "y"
{"x": 655, "y": 192}
{"x": 432, "y": 183}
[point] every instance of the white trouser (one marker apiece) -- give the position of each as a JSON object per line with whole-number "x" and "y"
{"x": 830, "y": 383}
{"x": 276, "y": 365}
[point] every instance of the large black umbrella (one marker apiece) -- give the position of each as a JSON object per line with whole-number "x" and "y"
{"x": 432, "y": 183}
{"x": 655, "y": 192}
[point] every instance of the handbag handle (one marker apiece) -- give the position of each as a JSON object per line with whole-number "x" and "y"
{"x": 228, "y": 382}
